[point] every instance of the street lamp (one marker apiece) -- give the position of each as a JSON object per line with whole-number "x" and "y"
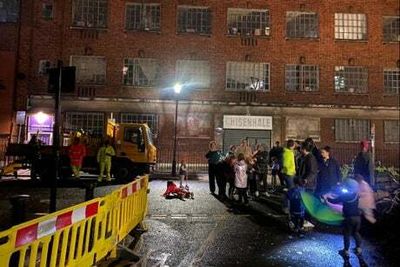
{"x": 177, "y": 90}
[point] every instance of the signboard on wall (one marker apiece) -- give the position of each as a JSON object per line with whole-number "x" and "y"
{"x": 247, "y": 122}
{"x": 300, "y": 128}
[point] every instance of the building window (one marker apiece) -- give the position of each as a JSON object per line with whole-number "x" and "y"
{"x": 141, "y": 72}
{"x": 248, "y": 22}
{"x": 9, "y": 10}
{"x": 150, "y": 119}
{"x": 351, "y": 130}
{"x": 392, "y": 131}
{"x": 391, "y": 80}
{"x": 302, "y": 78}
{"x": 142, "y": 17}
{"x": 47, "y": 11}
{"x": 89, "y": 69}
{"x": 301, "y": 24}
{"x": 247, "y": 76}
{"x": 193, "y": 73}
{"x": 193, "y": 19}
{"x": 350, "y": 26}
{"x": 90, "y": 122}
{"x": 89, "y": 13}
{"x": 351, "y": 79}
{"x": 391, "y": 29}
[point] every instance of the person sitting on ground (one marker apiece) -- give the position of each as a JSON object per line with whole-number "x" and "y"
{"x": 173, "y": 191}
{"x": 296, "y": 207}
{"x": 349, "y": 197}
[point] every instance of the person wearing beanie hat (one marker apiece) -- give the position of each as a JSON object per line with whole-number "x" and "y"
{"x": 363, "y": 164}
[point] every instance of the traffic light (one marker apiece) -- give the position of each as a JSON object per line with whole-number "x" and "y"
{"x": 68, "y": 79}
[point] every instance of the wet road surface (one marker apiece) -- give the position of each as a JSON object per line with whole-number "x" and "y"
{"x": 205, "y": 232}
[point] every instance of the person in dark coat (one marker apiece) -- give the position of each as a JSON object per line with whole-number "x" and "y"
{"x": 329, "y": 173}
{"x": 308, "y": 170}
{"x": 213, "y": 157}
{"x": 363, "y": 164}
{"x": 275, "y": 159}
{"x": 225, "y": 174}
{"x": 34, "y": 156}
{"x": 261, "y": 167}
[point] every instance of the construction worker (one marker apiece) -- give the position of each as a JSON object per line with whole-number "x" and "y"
{"x": 76, "y": 153}
{"x": 106, "y": 152}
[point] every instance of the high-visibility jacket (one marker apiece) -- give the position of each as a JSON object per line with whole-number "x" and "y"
{"x": 288, "y": 162}
{"x": 76, "y": 154}
{"x": 105, "y": 154}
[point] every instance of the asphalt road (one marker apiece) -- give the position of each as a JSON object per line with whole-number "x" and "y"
{"x": 206, "y": 232}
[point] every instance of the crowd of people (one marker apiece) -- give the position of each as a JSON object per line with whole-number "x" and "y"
{"x": 299, "y": 167}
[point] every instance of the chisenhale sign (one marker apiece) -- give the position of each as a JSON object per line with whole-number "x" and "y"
{"x": 248, "y": 122}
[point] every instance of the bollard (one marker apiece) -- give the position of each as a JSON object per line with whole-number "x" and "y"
{"x": 18, "y": 208}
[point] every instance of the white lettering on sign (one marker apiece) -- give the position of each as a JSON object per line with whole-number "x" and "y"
{"x": 248, "y": 122}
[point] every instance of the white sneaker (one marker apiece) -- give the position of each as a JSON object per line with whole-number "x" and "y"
{"x": 307, "y": 224}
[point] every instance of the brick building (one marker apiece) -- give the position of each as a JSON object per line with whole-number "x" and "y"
{"x": 265, "y": 70}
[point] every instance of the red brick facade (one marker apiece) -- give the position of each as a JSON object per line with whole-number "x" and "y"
{"x": 55, "y": 39}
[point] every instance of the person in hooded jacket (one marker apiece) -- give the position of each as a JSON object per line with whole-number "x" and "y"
{"x": 329, "y": 174}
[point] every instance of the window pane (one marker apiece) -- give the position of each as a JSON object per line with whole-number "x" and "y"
{"x": 144, "y": 17}
{"x": 248, "y": 22}
{"x": 89, "y": 13}
{"x": 351, "y": 130}
{"x": 301, "y": 24}
{"x": 391, "y": 29}
{"x": 350, "y": 26}
{"x": 351, "y": 79}
{"x": 302, "y": 78}
{"x": 9, "y": 10}
{"x": 90, "y": 122}
{"x": 141, "y": 72}
{"x": 193, "y": 73}
{"x": 89, "y": 69}
{"x": 392, "y": 131}
{"x": 391, "y": 81}
{"x": 150, "y": 119}
{"x": 247, "y": 76}
{"x": 194, "y": 20}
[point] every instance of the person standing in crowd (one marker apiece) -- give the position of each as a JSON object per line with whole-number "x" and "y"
{"x": 308, "y": 170}
{"x": 225, "y": 174}
{"x": 297, "y": 155}
{"x": 329, "y": 173}
{"x": 288, "y": 164}
{"x": 351, "y": 213}
{"x": 241, "y": 178}
{"x": 183, "y": 175}
{"x": 363, "y": 164}
{"x": 34, "y": 155}
{"x": 213, "y": 156}
{"x": 231, "y": 151}
{"x": 367, "y": 199}
{"x": 261, "y": 168}
{"x": 104, "y": 156}
{"x": 244, "y": 149}
{"x": 296, "y": 207}
{"x": 76, "y": 153}
{"x": 275, "y": 160}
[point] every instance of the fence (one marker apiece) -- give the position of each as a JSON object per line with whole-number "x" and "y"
{"x": 3, "y": 147}
{"x": 77, "y": 236}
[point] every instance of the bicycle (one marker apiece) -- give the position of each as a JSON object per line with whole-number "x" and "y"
{"x": 386, "y": 205}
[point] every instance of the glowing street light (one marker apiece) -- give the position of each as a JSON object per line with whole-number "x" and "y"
{"x": 177, "y": 88}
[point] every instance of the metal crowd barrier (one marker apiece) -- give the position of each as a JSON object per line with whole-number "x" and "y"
{"x": 81, "y": 235}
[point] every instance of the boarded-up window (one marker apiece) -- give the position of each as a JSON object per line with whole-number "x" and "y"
{"x": 392, "y": 131}
{"x": 89, "y": 69}
{"x": 298, "y": 128}
{"x": 352, "y": 130}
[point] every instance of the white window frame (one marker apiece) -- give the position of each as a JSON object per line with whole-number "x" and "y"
{"x": 193, "y": 27}
{"x": 393, "y": 33}
{"x": 387, "y": 129}
{"x": 391, "y": 81}
{"x": 151, "y": 23}
{"x": 153, "y": 68}
{"x": 195, "y": 77}
{"x": 97, "y": 78}
{"x": 96, "y": 18}
{"x": 353, "y": 130}
{"x": 351, "y": 26}
{"x": 346, "y": 77}
{"x": 249, "y": 76}
{"x": 303, "y": 22}
{"x": 248, "y": 22}
{"x": 92, "y": 122}
{"x": 299, "y": 76}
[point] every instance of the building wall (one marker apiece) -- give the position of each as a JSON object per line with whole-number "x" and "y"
{"x": 55, "y": 39}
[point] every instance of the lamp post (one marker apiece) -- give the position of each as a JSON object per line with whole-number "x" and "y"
{"x": 177, "y": 90}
